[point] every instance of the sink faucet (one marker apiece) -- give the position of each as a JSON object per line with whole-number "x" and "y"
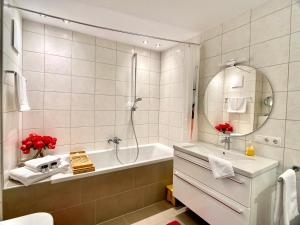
{"x": 114, "y": 140}
{"x": 226, "y": 140}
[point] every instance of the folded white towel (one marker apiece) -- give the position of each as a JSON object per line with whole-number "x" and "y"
{"x": 36, "y": 164}
{"x": 221, "y": 168}
{"x": 286, "y": 206}
{"x": 28, "y": 177}
{"x": 237, "y": 105}
{"x": 22, "y": 93}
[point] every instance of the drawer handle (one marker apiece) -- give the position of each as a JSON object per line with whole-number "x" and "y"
{"x": 194, "y": 184}
{"x": 206, "y": 167}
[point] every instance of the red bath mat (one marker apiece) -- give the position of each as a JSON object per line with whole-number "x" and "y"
{"x": 173, "y": 223}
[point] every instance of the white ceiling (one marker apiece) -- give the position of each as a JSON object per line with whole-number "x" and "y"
{"x": 174, "y": 19}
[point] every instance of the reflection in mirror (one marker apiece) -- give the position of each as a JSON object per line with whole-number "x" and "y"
{"x": 240, "y": 96}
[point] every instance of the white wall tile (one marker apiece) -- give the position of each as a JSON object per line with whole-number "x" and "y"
{"x": 293, "y": 105}
{"x": 35, "y": 80}
{"x": 105, "y": 102}
{"x": 56, "y": 118}
{"x": 211, "y": 47}
{"x": 104, "y": 118}
{"x": 125, "y": 47}
{"x": 211, "y": 33}
{"x": 106, "y": 43}
{"x": 268, "y": 8}
{"x": 33, "y": 61}
{"x": 295, "y": 47}
{"x": 277, "y": 76}
{"x": 83, "y": 85}
{"x": 33, "y": 119}
{"x": 58, "y": 32}
{"x": 83, "y": 68}
{"x": 292, "y": 138}
{"x": 295, "y": 20}
{"x": 105, "y": 71}
{"x": 105, "y": 55}
{"x": 83, "y": 51}
{"x": 294, "y": 77}
{"x": 103, "y": 133}
{"x": 57, "y": 101}
{"x": 62, "y": 135}
{"x": 123, "y": 59}
{"x": 271, "y": 26}
{"x": 82, "y": 118}
{"x": 33, "y": 42}
{"x": 36, "y": 99}
{"x": 57, "y": 64}
{"x": 238, "y": 21}
{"x": 82, "y": 135}
{"x": 82, "y": 102}
{"x": 105, "y": 87}
{"x": 58, "y": 46}
{"x": 236, "y": 39}
{"x": 270, "y": 53}
{"x": 278, "y": 109}
{"x": 83, "y": 38}
{"x": 57, "y": 82}
{"x": 33, "y": 27}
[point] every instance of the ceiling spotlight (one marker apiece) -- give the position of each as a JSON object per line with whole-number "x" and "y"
{"x": 42, "y": 15}
{"x": 157, "y": 45}
{"x": 66, "y": 21}
{"x": 145, "y": 42}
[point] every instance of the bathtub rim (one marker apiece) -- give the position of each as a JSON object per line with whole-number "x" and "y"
{"x": 58, "y": 178}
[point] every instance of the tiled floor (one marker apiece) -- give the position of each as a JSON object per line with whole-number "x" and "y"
{"x": 160, "y": 213}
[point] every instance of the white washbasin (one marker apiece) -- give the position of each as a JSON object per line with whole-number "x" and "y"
{"x": 31, "y": 219}
{"x": 219, "y": 152}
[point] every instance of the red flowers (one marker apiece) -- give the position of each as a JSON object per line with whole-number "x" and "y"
{"x": 224, "y": 128}
{"x": 37, "y": 142}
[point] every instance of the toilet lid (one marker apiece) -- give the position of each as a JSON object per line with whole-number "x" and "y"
{"x": 31, "y": 219}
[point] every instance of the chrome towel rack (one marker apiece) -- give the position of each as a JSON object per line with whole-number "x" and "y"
{"x": 295, "y": 168}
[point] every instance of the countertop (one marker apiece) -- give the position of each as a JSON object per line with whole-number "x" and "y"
{"x": 249, "y": 166}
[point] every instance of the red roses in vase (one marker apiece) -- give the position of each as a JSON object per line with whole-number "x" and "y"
{"x": 225, "y": 128}
{"x": 38, "y": 143}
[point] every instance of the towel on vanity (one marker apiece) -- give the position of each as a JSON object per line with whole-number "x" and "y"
{"x": 221, "y": 168}
{"x": 237, "y": 105}
{"x": 286, "y": 206}
{"x": 36, "y": 164}
{"x": 22, "y": 93}
{"x": 28, "y": 177}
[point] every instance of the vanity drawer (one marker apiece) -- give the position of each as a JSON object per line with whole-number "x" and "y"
{"x": 237, "y": 188}
{"x": 212, "y": 206}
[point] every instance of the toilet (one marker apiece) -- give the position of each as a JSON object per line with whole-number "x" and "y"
{"x": 31, "y": 219}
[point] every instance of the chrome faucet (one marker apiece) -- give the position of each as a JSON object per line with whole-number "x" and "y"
{"x": 226, "y": 140}
{"x": 114, "y": 140}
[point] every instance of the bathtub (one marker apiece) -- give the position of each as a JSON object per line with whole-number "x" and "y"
{"x": 105, "y": 161}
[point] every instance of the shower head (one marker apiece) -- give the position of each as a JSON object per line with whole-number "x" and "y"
{"x": 138, "y": 100}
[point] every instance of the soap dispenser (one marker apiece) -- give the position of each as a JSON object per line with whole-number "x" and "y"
{"x": 250, "y": 151}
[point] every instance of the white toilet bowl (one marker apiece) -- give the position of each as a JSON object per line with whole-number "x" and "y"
{"x": 31, "y": 219}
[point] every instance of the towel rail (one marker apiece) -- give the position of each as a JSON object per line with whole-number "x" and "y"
{"x": 295, "y": 168}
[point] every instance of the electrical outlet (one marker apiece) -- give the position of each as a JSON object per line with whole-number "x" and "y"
{"x": 268, "y": 140}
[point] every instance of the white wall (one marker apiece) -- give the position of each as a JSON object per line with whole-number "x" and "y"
{"x": 79, "y": 87}
{"x": 267, "y": 38}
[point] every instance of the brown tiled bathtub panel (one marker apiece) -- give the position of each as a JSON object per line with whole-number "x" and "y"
{"x": 94, "y": 199}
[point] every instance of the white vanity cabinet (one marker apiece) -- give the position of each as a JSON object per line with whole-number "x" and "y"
{"x": 246, "y": 199}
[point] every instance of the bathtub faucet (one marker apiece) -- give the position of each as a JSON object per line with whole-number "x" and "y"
{"x": 114, "y": 140}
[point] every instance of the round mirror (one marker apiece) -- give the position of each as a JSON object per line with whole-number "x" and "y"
{"x": 238, "y": 100}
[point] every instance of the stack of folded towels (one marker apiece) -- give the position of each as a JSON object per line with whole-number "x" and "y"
{"x": 39, "y": 169}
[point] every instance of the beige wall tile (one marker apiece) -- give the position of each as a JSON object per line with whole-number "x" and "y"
{"x": 35, "y": 80}
{"x": 58, "y": 46}
{"x": 58, "y": 32}
{"x": 33, "y": 42}
{"x": 84, "y": 38}
{"x": 211, "y": 33}
{"x": 82, "y": 118}
{"x": 56, "y": 118}
{"x": 295, "y": 20}
{"x": 83, "y": 68}
{"x": 33, "y": 119}
{"x": 106, "y": 43}
{"x": 33, "y": 61}
{"x": 103, "y": 133}
{"x": 271, "y": 26}
{"x": 57, "y": 83}
{"x": 83, "y": 51}
{"x": 236, "y": 39}
{"x": 36, "y": 99}
{"x": 82, "y": 135}
{"x": 295, "y": 47}
{"x": 105, "y": 55}
{"x": 269, "y": 7}
{"x": 277, "y": 76}
{"x": 83, "y": 85}
{"x": 294, "y": 81}
{"x": 62, "y": 135}
{"x": 57, "y": 64}
{"x": 237, "y": 21}
{"x": 211, "y": 47}
{"x": 105, "y": 102}
{"x": 105, "y": 71}
{"x": 82, "y": 102}
{"x": 104, "y": 118}
{"x": 293, "y": 105}
{"x": 57, "y": 101}
{"x": 291, "y": 137}
{"x": 105, "y": 87}
{"x": 270, "y": 53}
{"x": 33, "y": 27}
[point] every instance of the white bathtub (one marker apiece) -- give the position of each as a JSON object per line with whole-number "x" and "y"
{"x": 105, "y": 161}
